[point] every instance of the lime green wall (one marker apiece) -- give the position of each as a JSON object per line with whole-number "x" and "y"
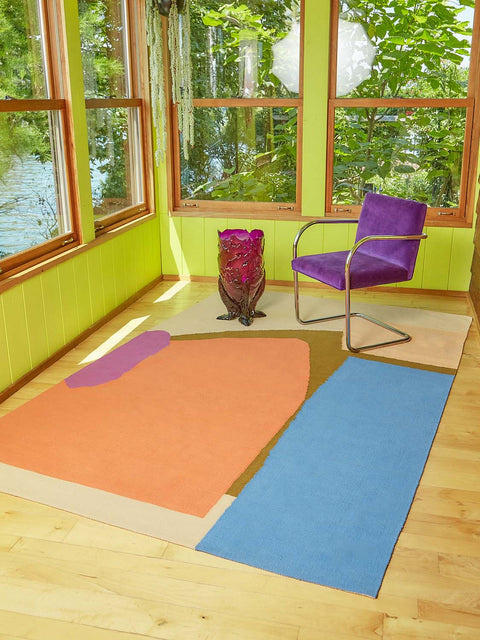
{"x": 189, "y": 245}
{"x": 44, "y": 313}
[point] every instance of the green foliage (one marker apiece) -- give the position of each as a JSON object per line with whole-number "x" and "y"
{"x": 240, "y": 154}
{"x": 415, "y": 153}
{"x": 21, "y": 77}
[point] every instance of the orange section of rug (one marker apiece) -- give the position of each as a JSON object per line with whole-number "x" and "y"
{"x": 175, "y": 431}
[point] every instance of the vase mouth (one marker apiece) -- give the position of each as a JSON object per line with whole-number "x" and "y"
{"x": 240, "y": 234}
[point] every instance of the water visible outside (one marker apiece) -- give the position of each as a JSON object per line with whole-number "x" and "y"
{"x": 28, "y": 205}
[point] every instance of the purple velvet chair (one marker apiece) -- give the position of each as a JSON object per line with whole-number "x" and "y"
{"x": 385, "y": 251}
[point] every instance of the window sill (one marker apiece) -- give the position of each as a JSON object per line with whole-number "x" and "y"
{"x": 14, "y": 279}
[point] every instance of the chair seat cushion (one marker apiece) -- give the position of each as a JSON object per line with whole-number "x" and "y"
{"x": 365, "y": 270}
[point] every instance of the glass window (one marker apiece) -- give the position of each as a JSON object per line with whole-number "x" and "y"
{"x": 246, "y": 84}
{"x": 36, "y": 211}
{"x": 116, "y": 112}
{"x": 402, "y": 110}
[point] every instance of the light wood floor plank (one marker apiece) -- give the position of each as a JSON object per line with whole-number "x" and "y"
{"x": 64, "y": 577}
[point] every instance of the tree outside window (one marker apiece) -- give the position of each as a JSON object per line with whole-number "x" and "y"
{"x": 247, "y": 108}
{"x": 36, "y": 211}
{"x": 402, "y": 124}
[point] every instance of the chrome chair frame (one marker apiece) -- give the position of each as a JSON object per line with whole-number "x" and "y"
{"x": 348, "y": 313}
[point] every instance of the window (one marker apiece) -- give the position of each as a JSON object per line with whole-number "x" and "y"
{"x": 37, "y": 210}
{"x": 111, "y": 41}
{"x": 401, "y": 105}
{"x": 247, "y": 109}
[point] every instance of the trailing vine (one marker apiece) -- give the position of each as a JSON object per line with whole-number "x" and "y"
{"x": 180, "y": 71}
{"x": 157, "y": 78}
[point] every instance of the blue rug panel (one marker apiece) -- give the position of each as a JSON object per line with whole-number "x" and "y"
{"x": 332, "y": 497}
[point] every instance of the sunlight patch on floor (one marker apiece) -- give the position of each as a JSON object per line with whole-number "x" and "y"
{"x": 170, "y": 293}
{"x": 114, "y": 339}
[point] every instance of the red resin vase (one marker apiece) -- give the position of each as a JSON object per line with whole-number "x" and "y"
{"x": 241, "y": 281}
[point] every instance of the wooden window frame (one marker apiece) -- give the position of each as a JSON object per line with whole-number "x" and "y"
{"x": 240, "y": 209}
{"x": 436, "y": 216}
{"x": 139, "y": 100}
{"x": 52, "y": 18}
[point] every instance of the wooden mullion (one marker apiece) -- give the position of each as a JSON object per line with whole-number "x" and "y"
{"x": 37, "y": 253}
{"x": 402, "y": 102}
{"x": 112, "y": 103}
{"x": 143, "y": 88}
{"x": 246, "y": 102}
{"x": 41, "y": 104}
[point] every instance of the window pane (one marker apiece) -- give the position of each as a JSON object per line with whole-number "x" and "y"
{"x": 22, "y": 70}
{"x": 409, "y": 153}
{"x": 403, "y": 49}
{"x": 242, "y": 154}
{"x": 248, "y": 49}
{"x": 115, "y": 162}
{"x": 104, "y": 48}
{"x": 33, "y": 205}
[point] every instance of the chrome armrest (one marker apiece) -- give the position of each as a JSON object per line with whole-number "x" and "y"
{"x": 319, "y": 221}
{"x": 358, "y": 244}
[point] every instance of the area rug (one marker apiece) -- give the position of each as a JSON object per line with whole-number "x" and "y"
{"x": 269, "y": 445}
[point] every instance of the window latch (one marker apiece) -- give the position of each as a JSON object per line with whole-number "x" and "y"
{"x": 67, "y": 241}
{"x": 339, "y": 210}
{"x": 285, "y": 207}
{"x": 189, "y": 204}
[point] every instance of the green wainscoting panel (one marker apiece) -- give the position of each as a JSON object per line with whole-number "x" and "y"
{"x": 36, "y": 322}
{"x": 153, "y": 266}
{"x": 17, "y": 332}
{"x": 5, "y": 371}
{"x": 337, "y": 237}
{"x": 461, "y": 260}
{"x": 95, "y": 278}
{"x": 437, "y": 258}
{"x": 82, "y": 291}
{"x": 120, "y": 269}
{"x": 42, "y": 314}
{"x": 416, "y": 281}
{"x": 135, "y": 258}
{"x": 68, "y": 294}
{"x": 212, "y": 227}
{"x": 268, "y": 228}
{"x": 171, "y": 237}
{"x": 52, "y": 305}
{"x": 193, "y": 245}
{"x": 107, "y": 255}
{"x": 285, "y": 233}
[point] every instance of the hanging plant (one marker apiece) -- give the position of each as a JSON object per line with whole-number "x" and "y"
{"x": 178, "y": 12}
{"x": 165, "y": 5}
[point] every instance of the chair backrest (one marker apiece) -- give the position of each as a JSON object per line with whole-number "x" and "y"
{"x": 387, "y": 215}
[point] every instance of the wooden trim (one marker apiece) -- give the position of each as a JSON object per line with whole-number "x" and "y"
{"x": 233, "y": 208}
{"x": 41, "y": 104}
{"x": 246, "y": 102}
{"x": 24, "y": 259}
{"x": 402, "y": 103}
{"x": 112, "y": 103}
{"x": 114, "y": 220}
{"x": 143, "y": 87}
{"x": 33, "y": 373}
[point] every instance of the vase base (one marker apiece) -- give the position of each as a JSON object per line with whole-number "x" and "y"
{"x": 245, "y": 320}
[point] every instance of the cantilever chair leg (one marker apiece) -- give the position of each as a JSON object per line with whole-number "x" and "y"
{"x": 348, "y": 315}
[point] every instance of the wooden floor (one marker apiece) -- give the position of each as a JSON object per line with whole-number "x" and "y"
{"x": 65, "y": 577}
